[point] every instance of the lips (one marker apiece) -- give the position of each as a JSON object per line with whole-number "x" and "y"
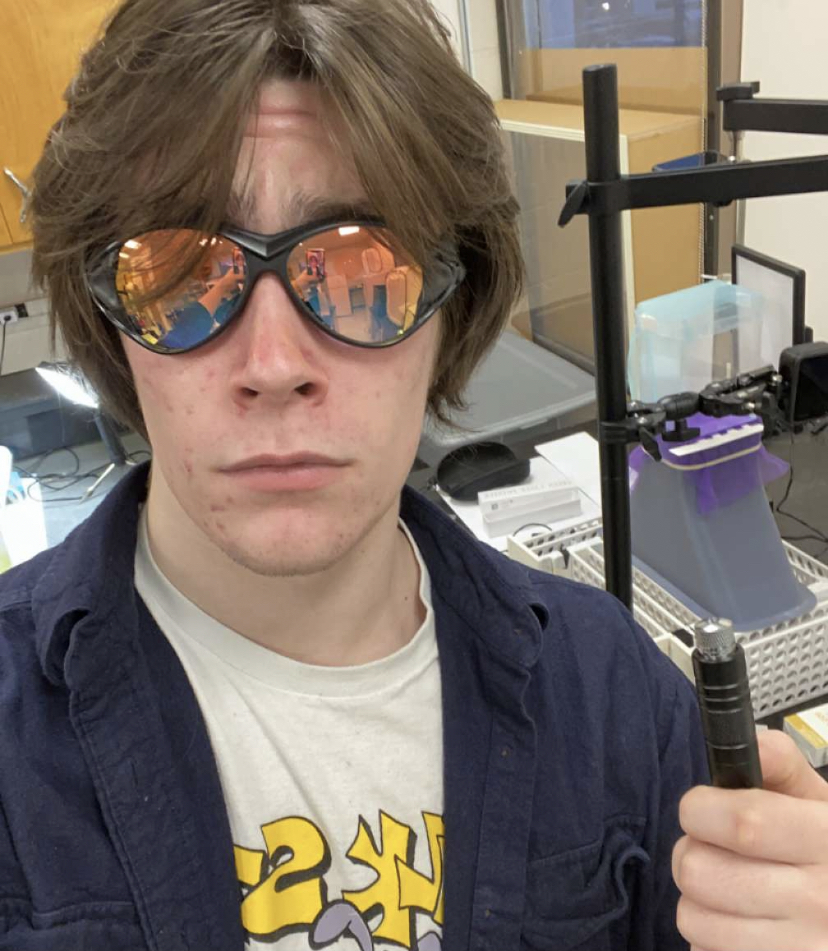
{"x": 296, "y": 459}
{"x": 298, "y": 472}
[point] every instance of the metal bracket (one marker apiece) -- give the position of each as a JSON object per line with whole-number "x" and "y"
{"x": 26, "y": 192}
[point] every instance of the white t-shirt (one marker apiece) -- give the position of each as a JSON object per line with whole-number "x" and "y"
{"x": 332, "y": 778}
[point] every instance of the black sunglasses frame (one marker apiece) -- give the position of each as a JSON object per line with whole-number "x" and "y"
{"x": 265, "y": 254}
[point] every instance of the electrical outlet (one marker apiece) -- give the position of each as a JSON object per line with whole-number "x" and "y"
{"x": 10, "y": 315}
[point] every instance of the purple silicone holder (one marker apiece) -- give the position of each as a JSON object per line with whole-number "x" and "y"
{"x": 722, "y": 474}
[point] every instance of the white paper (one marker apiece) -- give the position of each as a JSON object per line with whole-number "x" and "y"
{"x": 576, "y": 457}
{"x": 540, "y": 471}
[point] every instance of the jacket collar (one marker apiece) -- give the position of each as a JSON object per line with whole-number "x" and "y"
{"x": 478, "y": 583}
{"x": 90, "y": 578}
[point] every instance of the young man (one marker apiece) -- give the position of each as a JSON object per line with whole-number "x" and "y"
{"x": 265, "y": 696}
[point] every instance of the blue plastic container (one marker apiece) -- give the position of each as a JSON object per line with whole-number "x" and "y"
{"x": 685, "y": 340}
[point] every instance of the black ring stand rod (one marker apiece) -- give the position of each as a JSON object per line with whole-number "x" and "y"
{"x": 606, "y": 254}
{"x": 604, "y": 196}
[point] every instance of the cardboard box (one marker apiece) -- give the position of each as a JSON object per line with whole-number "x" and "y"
{"x": 809, "y": 730}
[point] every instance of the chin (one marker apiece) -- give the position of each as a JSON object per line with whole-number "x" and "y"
{"x": 278, "y": 564}
{"x": 293, "y": 543}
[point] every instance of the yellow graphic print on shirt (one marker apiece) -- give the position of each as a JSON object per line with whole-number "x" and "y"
{"x": 284, "y": 890}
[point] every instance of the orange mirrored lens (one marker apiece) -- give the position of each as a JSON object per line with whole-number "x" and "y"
{"x": 178, "y": 286}
{"x": 357, "y": 281}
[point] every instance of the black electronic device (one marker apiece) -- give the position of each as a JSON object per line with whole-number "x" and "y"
{"x": 783, "y": 287}
{"x": 804, "y": 372}
{"x": 478, "y": 467}
{"x": 727, "y": 713}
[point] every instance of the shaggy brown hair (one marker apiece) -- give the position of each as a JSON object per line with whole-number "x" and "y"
{"x": 153, "y": 129}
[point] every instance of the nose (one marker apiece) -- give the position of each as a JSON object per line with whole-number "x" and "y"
{"x": 277, "y": 355}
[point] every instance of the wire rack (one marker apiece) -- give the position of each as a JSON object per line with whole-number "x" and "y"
{"x": 787, "y": 662}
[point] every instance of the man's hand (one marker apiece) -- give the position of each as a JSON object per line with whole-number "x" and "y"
{"x": 230, "y": 284}
{"x": 753, "y": 867}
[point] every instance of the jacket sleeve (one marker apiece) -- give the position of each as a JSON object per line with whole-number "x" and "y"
{"x": 683, "y": 765}
{"x": 13, "y": 894}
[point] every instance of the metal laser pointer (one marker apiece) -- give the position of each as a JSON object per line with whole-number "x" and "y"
{"x": 727, "y": 714}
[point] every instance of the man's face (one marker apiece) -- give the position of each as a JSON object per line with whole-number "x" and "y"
{"x": 273, "y": 383}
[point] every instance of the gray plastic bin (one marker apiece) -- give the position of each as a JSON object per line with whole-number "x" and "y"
{"x": 520, "y": 391}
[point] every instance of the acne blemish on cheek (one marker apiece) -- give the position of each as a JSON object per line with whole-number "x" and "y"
{"x": 188, "y": 467}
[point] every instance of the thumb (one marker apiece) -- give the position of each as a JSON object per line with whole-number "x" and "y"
{"x": 786, "y": 770}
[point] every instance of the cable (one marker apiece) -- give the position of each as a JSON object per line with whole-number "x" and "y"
{"x": 91, "y": 474}
{"x": 531, "y": 525}
{"x": 816, "y": 534}
{"x": 790, "y": 476}
{"x": 42, "y": 501}
{"x": 3, "y": 349}
{"x": 62, "y": 481}
{"x": 56, "y": 481}
{"x": 61, "y": 475}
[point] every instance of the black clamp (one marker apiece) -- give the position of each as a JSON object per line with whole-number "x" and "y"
{"x": 754, "y": 392}
{"x": 733, "y": 91}
{"x": 577, "y": 198}
{"x": 643, "y": 423}
{"x": 594, "y": 198}
{"x": 621, "y": 433}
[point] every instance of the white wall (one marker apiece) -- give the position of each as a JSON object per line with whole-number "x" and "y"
{"x": 482, "y": 39}
{"x": 27, "y": 341}
{"x": 785, "y": 47}
{"x": 451, "y": 16}
{"x": 484, "y": 45}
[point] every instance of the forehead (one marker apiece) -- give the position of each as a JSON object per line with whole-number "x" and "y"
{"x": 293, "y": 166}
{"x": 300, "y": 207}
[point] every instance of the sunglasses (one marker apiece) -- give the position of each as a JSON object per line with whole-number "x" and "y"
{"x": 351, "y": 279}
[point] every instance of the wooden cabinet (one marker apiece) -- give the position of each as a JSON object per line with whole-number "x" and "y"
{"x": 40, "y": 46}
{"x": 5, "y": 234}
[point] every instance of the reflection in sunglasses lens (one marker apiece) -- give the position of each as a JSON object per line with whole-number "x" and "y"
{"x": 356, "y": 281}
{"x": 166, "y": 311}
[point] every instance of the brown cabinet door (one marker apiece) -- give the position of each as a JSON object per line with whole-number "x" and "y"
{"x": 5, "y": 234}
{"x": 40, "y": 46}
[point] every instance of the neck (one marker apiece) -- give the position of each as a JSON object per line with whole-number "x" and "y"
{"x": 364, "y": 607}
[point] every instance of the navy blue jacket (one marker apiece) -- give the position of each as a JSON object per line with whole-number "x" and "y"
{"x": 569, "y": 740}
